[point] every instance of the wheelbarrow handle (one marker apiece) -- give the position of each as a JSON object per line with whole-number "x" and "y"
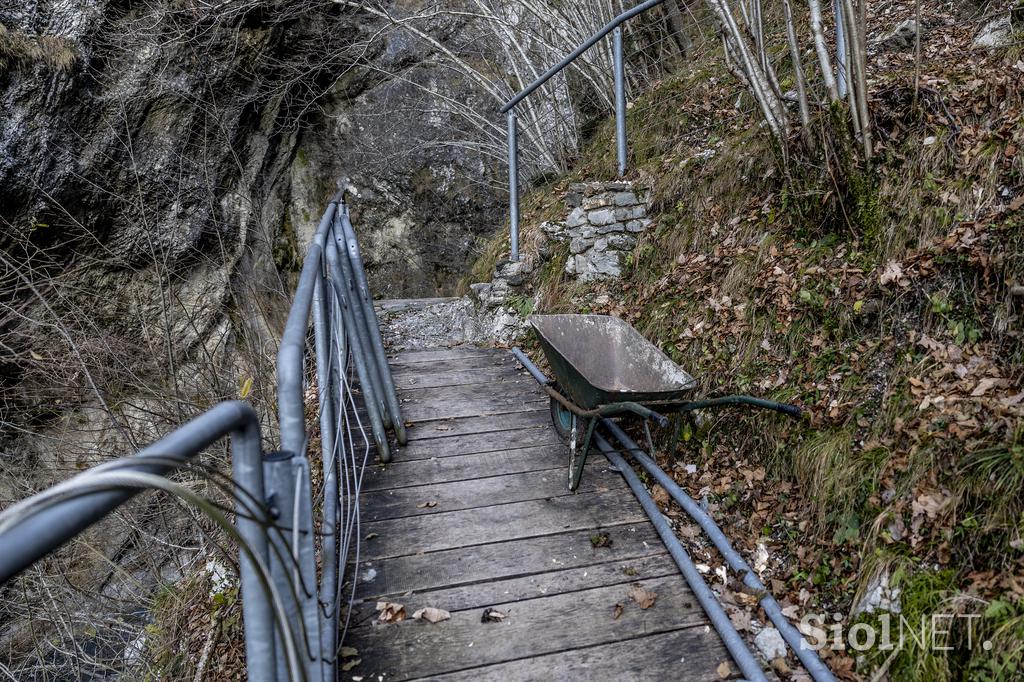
{"x": 659, "y": 419}
{"x": 636, "y": 408}
{"x": 790, "y": 410}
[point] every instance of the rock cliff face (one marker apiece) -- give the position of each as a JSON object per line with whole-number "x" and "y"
{"x": 163, "y": 165}
{"x": 420, "y": 198}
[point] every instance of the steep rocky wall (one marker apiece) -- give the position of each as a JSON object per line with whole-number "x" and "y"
{"x": 162, "y": 166}
{"x": 161, "y": 182}
{"x": 421, "y": 196}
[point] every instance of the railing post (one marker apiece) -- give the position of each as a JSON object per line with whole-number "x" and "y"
{"x": 513, "y": 181}
{"x": 388, "y": 396}
{"x": 325, "y": 360}
{"x": 257, "y": 614}
{"x": 620, "y": 100}
{"x": 365, "y": 370}
{"x": 292, "y": 565}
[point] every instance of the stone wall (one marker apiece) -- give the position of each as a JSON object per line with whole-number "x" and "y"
{"x": 604, "y": 221}
{"x": 603, "y": 224}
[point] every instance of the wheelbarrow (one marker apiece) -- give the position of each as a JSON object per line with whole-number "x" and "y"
{"x": 604, "y": 367}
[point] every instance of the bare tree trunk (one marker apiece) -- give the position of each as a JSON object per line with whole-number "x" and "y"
{"x": 798, "y": 67}
{"x": 847, "y": 89}
{"x": 772, "y": 108}
{"x": 917, "y": 51}
{"x": 822, "y": 50}
{"x": 858, "y": 60}
{"x": 679, "y": 34}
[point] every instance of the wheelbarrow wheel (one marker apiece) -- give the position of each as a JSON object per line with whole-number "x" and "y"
{"x": 562, "y": 419}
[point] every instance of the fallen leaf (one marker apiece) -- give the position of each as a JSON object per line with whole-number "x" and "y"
{"x": 35, "y": 355}
{"x": 432, "y": 615}
{"x": 1013, "y": 400}
{"x": 349, "y": 652}
{"x": 493, "y": 616}
{"x": 740, "y": 619}
{"x": 723, "y": 573}
{"x": 893, "y": 272}
{"x": 689, "y": 532}
{"x": 983, "y": 387}
{"x": 426, "y": 505}
{"x": 931, "y": 504}
{"x": 390, "y": 612}
{"x": 348, "y": 665}
{"x": 617, "y": 611}
{"x": 371, "y": 536}
{"x": 724, "y": 669}
{"x": 761, "y": 558}
{"x": 642, "y": 596}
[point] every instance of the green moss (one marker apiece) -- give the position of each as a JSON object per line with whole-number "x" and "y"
{"x": 20, "y": 51}
{"x": 523, "y": 305}
{"x": 285, "y": 250}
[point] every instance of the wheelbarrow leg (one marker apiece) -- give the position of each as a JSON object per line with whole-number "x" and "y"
{"x": 578, "y": 453}
{"x": 677, "y": 432}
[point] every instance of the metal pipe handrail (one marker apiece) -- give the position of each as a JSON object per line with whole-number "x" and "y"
{"x": 389, "y": 397}
{"x": 292, "y": 351}
{"x": 575, "y": 54}
{"x": 731, "y": 638}
{"x": 621, "y": 147}
{"x": 804, "y": 652}
{"x": 275, "y": 519}
{"x": 44, "y": 532}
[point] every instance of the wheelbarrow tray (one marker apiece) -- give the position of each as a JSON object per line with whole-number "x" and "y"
{"x": 598, "y": 360}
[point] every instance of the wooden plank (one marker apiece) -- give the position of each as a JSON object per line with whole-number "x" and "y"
{"x": 479, "y": 361}
{"x": 498, "y": 560}
{"x": 494, "y": 413}
{"x": 458, "y": 426}
{"x": 691, "y": 654}
{"x": 455, "y": 364}
{"x": 482, "y": 595}
{"x": 482, "y": 492}
{"x": 411, "y": 535}
{"x": 546, "y": 625}
{"x": 518, "y": 388}
{"x": 489, "y": 441}
{"x": 456, "y": 353}
{"x": 453, "y": 352}
{"x": 460, "y": 377}
{"x": 476, "y": 400}
{"x": 462, "y": 467}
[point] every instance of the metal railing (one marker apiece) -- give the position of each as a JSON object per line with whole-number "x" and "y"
{"x": 291, "y": 611}
{"x": 509, "y": 109}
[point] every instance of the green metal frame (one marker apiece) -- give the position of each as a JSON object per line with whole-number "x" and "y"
{"x": 578, "y": 451}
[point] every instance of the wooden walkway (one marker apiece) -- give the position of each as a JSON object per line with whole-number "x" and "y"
{"x": 474, "y": 513}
